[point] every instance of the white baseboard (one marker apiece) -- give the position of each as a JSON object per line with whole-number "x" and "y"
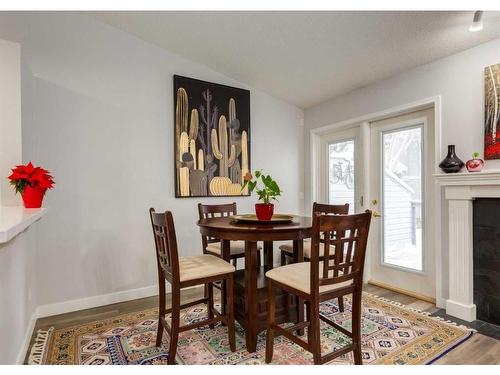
{"x": 460, "y": 310}
{"x": 440, "y": 302}
{"x": 95, "y": 301}
{"x": 26, "y": 341}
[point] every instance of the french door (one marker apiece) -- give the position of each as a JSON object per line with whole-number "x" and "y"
{"x": 386, "y": 166}
{"x": 402, "y": 254}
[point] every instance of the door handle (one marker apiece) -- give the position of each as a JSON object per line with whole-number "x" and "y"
{"x": 375, "y": 213}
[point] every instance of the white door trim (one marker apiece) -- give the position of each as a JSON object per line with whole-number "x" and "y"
{"x": 435, "y": 216}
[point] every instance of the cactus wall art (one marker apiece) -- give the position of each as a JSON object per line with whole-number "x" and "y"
{"x": 212, "y": 138}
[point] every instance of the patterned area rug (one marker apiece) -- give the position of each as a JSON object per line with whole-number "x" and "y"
{"x": 392, "y": 334}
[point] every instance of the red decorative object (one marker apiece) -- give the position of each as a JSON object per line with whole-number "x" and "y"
{"x": 475, "y": 164}
{"x": 32, "y": 183}
{"x": 264, "y": 211}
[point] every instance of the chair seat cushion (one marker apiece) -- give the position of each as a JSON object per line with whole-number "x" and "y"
{"x": 201, "y": 266}
{"x": 288, "y": 248}
{"x": 297, "y": 276}
{"x": 237, "y": 248}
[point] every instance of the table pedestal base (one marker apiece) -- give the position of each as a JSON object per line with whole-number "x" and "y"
{"x": 286, "y": 307}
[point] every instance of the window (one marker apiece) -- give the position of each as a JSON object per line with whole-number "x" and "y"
{"x": 341, "y": 176}
{"x": 402, "y": 197}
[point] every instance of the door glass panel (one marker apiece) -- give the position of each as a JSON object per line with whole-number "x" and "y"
{"x": 341, "y": 173}
{"x": 402, "y": 197}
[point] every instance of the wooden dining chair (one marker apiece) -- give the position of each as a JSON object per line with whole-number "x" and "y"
{"x": 326, "y": 209}
{"x": 186, "y": 272}
{"x": 287, "y": 249}
{"x": 213, "y": 245}
{"x": 340, "y": 273}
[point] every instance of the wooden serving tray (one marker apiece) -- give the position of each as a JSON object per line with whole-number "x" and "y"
{"x": 252, "y": 218}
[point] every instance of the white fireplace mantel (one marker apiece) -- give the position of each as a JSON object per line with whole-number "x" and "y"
{"x": 460, "y": 189}
{"x": 486, "y": 177}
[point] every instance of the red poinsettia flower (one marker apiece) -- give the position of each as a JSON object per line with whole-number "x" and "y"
{"x": 42, "y": 180}
{"x": 29, "y": 175}
{"x": 22, "y": 172}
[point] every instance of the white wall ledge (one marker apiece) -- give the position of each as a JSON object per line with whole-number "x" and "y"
{"x": 14, "y": 220}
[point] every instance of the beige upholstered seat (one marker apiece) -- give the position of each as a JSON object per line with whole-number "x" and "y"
{"x": 237, "y": 248}
{"x": 297, "y": 276}
{"x": 288, "y": 248}
{"x": 201, "y": 266}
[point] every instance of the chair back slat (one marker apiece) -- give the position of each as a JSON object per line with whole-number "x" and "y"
{"x": 349, "y": 253}
{"x": 327, "y": 237}
{"x": 331, "y": 209}
{"x": 207, "y": 211}
{"x": 167, "y": 256}
{"x": 345, "y": 238}
{"x": 338, "y": 279}
{"x": 341, "y": 267}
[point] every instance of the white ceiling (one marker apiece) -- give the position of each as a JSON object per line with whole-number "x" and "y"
{"x": 306, "y": 58}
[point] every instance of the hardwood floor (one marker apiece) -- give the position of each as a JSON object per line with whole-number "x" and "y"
{"x": 479, "y": 349}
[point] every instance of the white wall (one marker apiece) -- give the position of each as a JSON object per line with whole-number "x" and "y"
{"x": 18, "y": 292}
{"x": 100, "y": 117}
{"x": 458, "y": 79}
{"x": 18, "y": 256}
{"x": 10, "y": 116}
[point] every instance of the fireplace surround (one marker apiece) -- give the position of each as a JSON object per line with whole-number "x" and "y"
{"x": 460, "y": 190}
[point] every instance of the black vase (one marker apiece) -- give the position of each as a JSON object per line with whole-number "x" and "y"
{"x": 451, "y": 163}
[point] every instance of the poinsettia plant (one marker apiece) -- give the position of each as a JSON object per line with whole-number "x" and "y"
{"x": 269, "y": 190}
{"x": 29, "y": 175}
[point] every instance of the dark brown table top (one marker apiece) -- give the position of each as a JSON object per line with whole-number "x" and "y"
{"x": 228, "y": 228}
{"x": 228, "y": 223}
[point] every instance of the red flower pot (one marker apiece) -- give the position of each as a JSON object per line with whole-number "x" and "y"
{"x": 264, "y": 211}
{"x": 32, "y": 197}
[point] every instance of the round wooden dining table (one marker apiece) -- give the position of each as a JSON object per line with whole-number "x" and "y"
{"x": 250, "y": 293}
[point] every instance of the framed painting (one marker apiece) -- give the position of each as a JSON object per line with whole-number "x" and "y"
{"x": 491, "y": 112}
{"x": 212, "y": 138}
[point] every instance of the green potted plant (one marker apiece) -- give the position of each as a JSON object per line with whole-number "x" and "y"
{"x": 267, "y": 191}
